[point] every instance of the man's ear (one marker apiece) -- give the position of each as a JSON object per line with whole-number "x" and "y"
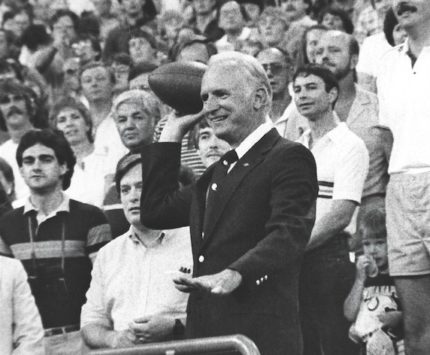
{"x": 261, "y": 98}
{"x": 63, "y": 169}
{"x": 333, "y": 94}
{"x": 353, "y": 61}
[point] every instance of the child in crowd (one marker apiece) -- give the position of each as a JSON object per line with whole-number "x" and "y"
{"x": 373, "y": 304}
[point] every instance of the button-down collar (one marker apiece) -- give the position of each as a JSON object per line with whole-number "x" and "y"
{"x": 134, "y": 236}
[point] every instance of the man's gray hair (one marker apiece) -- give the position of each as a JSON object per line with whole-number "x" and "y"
{"x": 149, "y": 102}
{"x": 249, "y": 65}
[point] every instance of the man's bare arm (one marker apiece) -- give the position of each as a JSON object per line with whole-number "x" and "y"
{"x": 334, "y": 222}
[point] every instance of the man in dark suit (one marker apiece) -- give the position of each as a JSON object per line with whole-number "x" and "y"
{"x": 250, "y": 217}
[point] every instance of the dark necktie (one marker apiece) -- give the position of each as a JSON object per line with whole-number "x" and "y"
{"x": 218, "y": 176}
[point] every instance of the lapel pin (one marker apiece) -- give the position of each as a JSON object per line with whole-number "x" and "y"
{"x": 245, "y": 164}
{"x": 214, "y": 187}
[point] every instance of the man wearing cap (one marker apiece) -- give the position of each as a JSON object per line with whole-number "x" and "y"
{"x": 132, "y": 299}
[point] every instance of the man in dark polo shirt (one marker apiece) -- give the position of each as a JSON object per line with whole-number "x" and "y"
{"x": 55, "y": 237}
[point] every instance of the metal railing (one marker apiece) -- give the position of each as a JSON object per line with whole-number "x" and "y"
{"x": 240, "y": 343}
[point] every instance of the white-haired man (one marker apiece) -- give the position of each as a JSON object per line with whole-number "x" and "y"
{"x": 250, "y": 214}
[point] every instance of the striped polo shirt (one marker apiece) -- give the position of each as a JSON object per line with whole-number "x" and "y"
{"x": 59, "y": 292}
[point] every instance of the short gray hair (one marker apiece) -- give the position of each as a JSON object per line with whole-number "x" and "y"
{"x": 149, "y": 102}
{"x": 249, "y": 65}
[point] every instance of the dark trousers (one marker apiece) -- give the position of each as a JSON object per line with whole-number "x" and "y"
{"x": 325, "y": 281}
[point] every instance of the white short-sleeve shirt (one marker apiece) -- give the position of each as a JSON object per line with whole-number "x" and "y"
{"x": 404, "y": 106}
{"x": 342, "y": 163}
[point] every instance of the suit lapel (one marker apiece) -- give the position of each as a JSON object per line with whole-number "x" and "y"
{"x": 242, "y": 168}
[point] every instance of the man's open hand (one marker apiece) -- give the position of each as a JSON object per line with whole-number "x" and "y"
{"x": 221, "y": 283}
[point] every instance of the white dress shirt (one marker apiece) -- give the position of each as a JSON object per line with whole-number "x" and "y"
{"x": 254, "y": 137}
{"x": 131, "y": 280}
{"x": 21, "y": 330}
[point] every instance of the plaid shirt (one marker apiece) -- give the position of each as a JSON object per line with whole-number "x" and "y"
{"x": 371, "y": 20}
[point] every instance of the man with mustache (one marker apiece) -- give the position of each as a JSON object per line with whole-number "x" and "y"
{"x": 17, "y": 118}
{"x": 338, "y": 52}
{"x": 403, "y": 83}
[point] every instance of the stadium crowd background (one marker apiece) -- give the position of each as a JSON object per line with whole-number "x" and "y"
{"x": 71, "y": 65}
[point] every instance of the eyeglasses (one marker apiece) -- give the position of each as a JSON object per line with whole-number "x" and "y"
{"x": 275, "y": 68}
{"x": 7, "y": 99}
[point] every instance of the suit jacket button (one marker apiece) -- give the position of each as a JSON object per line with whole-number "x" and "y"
{"x": 257, "y": 282}
{"x": 201, "y": 258}
{"x": 214, "y": 187}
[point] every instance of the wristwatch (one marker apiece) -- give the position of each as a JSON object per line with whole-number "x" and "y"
{"x": 178, "y": 330}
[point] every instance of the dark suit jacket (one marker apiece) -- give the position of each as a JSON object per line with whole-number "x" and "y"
{"x": 260, "y": 229}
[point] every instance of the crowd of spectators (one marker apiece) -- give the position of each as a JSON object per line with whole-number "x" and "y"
{"x": 348, "y": 81}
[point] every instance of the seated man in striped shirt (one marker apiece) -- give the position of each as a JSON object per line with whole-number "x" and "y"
{"x": 55, "y": 237}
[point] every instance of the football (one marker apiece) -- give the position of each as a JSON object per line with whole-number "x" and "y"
{"x": 178, "y": 85}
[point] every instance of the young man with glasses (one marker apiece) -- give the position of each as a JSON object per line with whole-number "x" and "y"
{"x": 55, "y": 237}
